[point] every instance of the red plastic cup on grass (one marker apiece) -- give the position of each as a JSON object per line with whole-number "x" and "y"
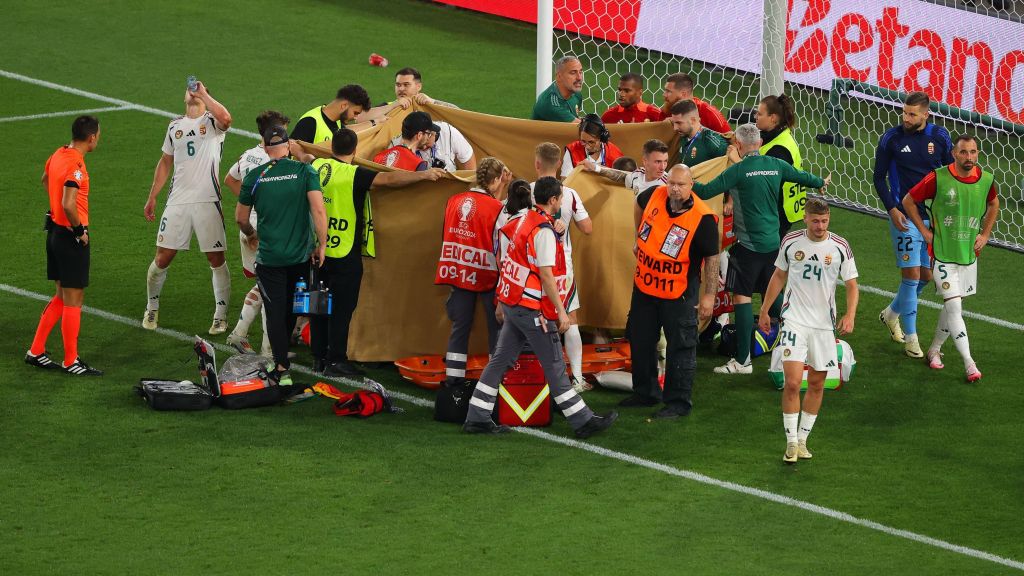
{"x": 378, "y": 60}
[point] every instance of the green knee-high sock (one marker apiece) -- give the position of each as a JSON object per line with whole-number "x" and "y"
{"x": 776, "y": 310}
{"x": 744, "y": 331}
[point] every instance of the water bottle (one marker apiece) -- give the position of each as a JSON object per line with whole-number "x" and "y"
{"x": 378, "y": 60}
{"x": 300, "y": 304}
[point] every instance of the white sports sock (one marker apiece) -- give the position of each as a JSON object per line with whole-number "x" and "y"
{"x": 574, "y": 350}
{"x": 266, "y": 338}
{"x": 806, "y": 423}
{"x": 889, "y": 315}
{"x": 251, "y": 307}
{"x": 941, "y": 332}
{"x": 154, "y": 285}
{"x": 221, "y": 290}
{"x": 789, "y": 424}
{"x": 958, "y": 329}
{"x": 662, "y": 347}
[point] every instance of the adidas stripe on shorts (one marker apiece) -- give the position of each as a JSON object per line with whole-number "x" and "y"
{"x": 179, "y": 221}
{"x": 812, "y": 346}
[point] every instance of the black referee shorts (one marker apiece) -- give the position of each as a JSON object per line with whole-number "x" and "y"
{"x": 67, "y": 261}
{"x": 749, "y": 271}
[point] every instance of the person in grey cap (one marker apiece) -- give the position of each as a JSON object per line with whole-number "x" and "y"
{"x": 532, "y": 310}
{"x": 417, "y": 130}
{"x": 289, "y": 206}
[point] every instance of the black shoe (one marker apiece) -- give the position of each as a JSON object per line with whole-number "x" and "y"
{"x": 670, "y": 413}
{"x": 343, "y": 368}
{"x": 79, "y": 368}
{"x": 41, "y": 361}
{"x": 635, "y": 400}
{"x": 319, "y": 366}
{"x": 485, "y": 428}
{"x": 282, "y": 377}
{"x": 597, "y": 424}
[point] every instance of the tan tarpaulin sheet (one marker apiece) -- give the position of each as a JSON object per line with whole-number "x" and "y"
{"x": 401, "y": 312}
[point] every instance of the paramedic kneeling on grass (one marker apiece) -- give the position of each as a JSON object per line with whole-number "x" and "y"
{"x": 289, "y": 207}
{"x": 533, "y": 312}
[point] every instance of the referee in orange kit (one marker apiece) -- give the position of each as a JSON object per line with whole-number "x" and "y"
{"x": 67, "y": 247}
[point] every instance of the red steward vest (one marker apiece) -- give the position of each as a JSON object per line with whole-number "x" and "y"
{"x": 577, "y": 153}
{"x": 399, "y": 157}
{"x": 520, "y": 283}
{"x": 468, "y": 246}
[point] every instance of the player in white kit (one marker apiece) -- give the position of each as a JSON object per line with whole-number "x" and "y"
{"x": 546, "y": 159}
{"x": 652, "y": 173}
{"x": 253, "y": 304}
{"x": 810, "y": 264}
{"x": 192, "y": 146}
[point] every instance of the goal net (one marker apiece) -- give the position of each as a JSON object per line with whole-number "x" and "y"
{"x": 968, "y": 57}
{"x": 969, "y": 60}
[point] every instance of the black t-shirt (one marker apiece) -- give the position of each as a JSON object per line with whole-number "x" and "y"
{"x": 703, "y": 245}
{"x": 305, "y": 128}
{"x": 360, "y": 188}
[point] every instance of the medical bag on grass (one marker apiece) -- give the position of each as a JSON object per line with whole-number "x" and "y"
{"x": 524, "y": 398}
{"x": 174, "y": 395}
{"x": 452, "y": 402}
{"x": 243, "y": 382}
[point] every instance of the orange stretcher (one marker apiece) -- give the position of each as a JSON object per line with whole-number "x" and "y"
{"x": 428, "y": 371}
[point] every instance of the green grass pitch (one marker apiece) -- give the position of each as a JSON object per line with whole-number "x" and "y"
{"x": 93, "y": 482}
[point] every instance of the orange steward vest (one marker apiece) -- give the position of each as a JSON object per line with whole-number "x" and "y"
{"x": 663, "y": 256}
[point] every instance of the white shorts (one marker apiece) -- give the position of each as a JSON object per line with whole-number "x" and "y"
{"x": 248, "y": 254}
{"x": 179, "y": 221}
{"x": 573, "y": 303}
{"x": 955, "y": 280}
{"x": 811, "y": 346}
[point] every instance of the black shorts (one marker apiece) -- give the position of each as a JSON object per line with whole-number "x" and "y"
{"x": 67, "y": 261}
{"x": 749, "y": 271}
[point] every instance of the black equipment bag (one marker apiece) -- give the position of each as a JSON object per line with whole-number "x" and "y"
{"x": 174, "y": 394}
{"x": 245, "y": 381}
{"x": 452, "y": 402}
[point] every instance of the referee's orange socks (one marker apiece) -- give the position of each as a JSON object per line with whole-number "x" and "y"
{"x": 51, "y": 314}
{"x": 70, "y": 322}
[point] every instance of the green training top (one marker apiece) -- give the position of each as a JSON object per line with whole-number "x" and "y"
{"x": 755, "y": 185}
{"x": 957, "y": 213}
{"x": 277, "y": 190}
{"x": 551, "y": 106}
{"x": 704, "y": 146}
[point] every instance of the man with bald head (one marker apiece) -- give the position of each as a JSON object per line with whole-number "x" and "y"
{"x": 561, "y": 101}
{"x": 676, "y": 236}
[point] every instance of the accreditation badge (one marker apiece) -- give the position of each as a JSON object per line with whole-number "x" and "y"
{"x": 674, "y": 241}
{"x": 645, "y": 231}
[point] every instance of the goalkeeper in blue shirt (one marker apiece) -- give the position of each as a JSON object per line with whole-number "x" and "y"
{"x": 905, "y": 154}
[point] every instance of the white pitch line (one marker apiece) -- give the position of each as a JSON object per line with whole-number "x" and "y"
{"x": 937, "y": 306}
{"x": 68, "y": 113}
{"x": 615, "y": 455}
{"x": 142, "y": 108}
{"x": 107, "y": 99}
